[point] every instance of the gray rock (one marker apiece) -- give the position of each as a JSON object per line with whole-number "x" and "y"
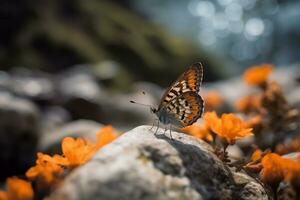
{"x": 80, "y": 94}
{"x": 18, "y": 134}
{"x": 32, "y": 84}
{"x": 51, "y": 141}
{"x": 141, "y": 165}
{"x": 249, "y": 188}
{"x": 54, "y": 117}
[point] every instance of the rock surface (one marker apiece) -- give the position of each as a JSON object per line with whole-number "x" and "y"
{"x": 141, "y": 165}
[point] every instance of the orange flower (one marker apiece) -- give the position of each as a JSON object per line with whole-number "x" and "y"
{"x": 77, "y": 151}
{"x": 203, "y": 131}
{"x": 3, "y": 195}
{"x": 256, "y": 155}
{"x": 209, "y": 119}
{"x": 277, "y": 169}
{"x": 212, "y": 100}
{"x": 198, "y": 131}
{"x": 272, "y": 169}
{"x": 230, "y": 127}
{"x": 255, "y": 165}
{"x": 105, "y": 136}
{"x": 45, "y": 170}
{"x": 17, "y": 189}
{"x": 248, "y": 103}
{"x": 258, "y": 75}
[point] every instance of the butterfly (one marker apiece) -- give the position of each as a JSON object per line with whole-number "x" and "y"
{"x": 181, "y": 105}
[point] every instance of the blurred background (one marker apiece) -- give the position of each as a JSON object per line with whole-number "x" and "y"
{"x": 69, "y": 66}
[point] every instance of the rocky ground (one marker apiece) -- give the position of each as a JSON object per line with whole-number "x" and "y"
{"x": 38, "y": 109}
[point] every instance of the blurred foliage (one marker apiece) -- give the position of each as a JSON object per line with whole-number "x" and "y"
{"x": 52, "y": 35}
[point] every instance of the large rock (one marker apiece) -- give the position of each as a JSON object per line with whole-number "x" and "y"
{"x": 141, "y": 165}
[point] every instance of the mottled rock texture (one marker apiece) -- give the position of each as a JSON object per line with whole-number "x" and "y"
{"x": 141, "y": 165}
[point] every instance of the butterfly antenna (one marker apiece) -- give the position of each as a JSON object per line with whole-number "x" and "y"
{"x": 141, "y": 104}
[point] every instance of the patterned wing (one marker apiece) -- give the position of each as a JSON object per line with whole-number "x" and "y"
{"x": 190, "y": 80}
{"x": 186, "y": 108}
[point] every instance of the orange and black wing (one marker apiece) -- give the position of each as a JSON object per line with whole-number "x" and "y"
{"x": 186, "y": 108}
{"x": 190, "y": 80}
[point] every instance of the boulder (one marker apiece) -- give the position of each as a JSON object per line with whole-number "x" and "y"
{"x": 144, "y": 165}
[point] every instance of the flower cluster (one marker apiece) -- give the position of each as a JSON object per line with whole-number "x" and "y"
{"x": 48, "y": 170}
{"x": 268, "y": 115}
{"x": 17, "y": 189}
{"x": 276, "y": 169}
{"x": 273, "y": 107}
{"x": 202, "y": 131}
{"x": 75, "y": 152}
{"x": 198, "y": 131}
{"x": 272, "y": 119}
{"x": 228, "y": 127}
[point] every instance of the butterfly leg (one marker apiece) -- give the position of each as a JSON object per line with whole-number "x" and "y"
{"x": 153, "y": 124}
{"x": 157, "y": 127}
{"x": 165, "y": 130}
{"x": 171, "y": 132}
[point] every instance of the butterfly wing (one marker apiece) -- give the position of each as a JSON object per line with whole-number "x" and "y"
{"x": 190, "y": 80}
{"x": 186, "y": 108}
